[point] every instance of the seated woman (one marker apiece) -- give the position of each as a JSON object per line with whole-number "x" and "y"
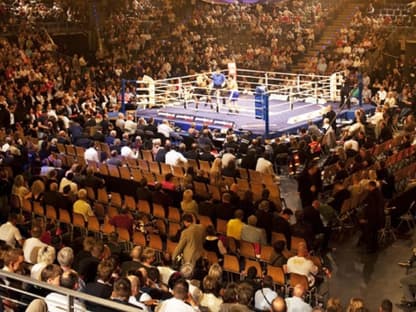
{"x": 213, "y": 243}
{"x": 277, "y": 258}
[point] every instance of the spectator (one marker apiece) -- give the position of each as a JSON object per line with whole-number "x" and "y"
{"x": 9, "y": 233}
{"x": 264, "y": 296}
{"x": 296, "y": 303}
{"x": 81, "y": 206}
{"x": 191, "y": 242}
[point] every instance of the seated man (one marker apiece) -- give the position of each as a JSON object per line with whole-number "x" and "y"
{"x": 300, "y": 264}
{"x": 253, "y": 234}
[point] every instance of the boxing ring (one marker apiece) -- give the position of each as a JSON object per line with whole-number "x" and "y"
{"x": 266, "y": 103}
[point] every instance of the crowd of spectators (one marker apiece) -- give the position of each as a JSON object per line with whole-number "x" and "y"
{"x": 269, "y": 35}
{"x": 59, "y": 101}
{"x": 16, "y": 12}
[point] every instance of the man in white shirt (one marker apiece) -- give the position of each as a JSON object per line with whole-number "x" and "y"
{"x": 165, "y": 129}
{"x": 296, "y": 303}
{"x": 130, "y": 126}
{"x": 177, "y": 302}
{"x": 58, "y": 302}
{"x": 299, "y": 264}
{"x": 91, "y": 154}
{"x": 264, "y": 296}
{"x": 10, "y": 233}
{"x": 32, "y": 244}
{"x": 174, "y": 158}
{"x": 127, "y": 152}
{"x": 135, "y": 291}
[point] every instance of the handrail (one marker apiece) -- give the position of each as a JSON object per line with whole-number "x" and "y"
{"x": 64, "y": 291}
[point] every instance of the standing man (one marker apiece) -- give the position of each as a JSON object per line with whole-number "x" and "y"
{"x": 373, "y": 216}
{"x": 331, "y": 115}
{"x": 191, "y": 243}
{"x": 309, "y": 184}
{"x": 218, "y": 83}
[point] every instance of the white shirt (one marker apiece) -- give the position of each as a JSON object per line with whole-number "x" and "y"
{"x": 10, "y": 234}
{"x": 135, "y": 302}
{"x": 226, "y": 158}
{"x": 164, "y": 129}
{"x": 264, "y": 166}
{"x": 212, "y": 302}
{"x": 127, "y": 152}
{"x": 260, "y": 302}
{"x": 91, "y": 154}
{"x": 29, "y": 245}
{"x": 173, "y": 304}
{"x": 174, "y": 158}
{"x": 302, "y": 266}
{"x": 296, "y": 304}
{"x": 65, "y": 182}
{"x": 165, "y": 273}
{"x": 59, "y": 303}
{"x": 130, "y": 126}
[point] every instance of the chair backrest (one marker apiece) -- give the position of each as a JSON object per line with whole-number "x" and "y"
{"x": 266, "y": 253}
{"x": 173, "y": 228}
{"x": 174, "y": 214}
{"x": 51, "y": 212}
{"x": 116, "y": 199}
{"x": 102, "y": 196}
{"x": 155, "y": 242}
{"x": 231, "y": 264}
{"x": 278, "y": 236}
{"x": 295, "y": 241}
{"x": 295, "y": 279}
{"x": 277, "y": 274}
{"x": 252, "y": 263}
{"x": 78, "y": 220}
{"x": 93, "y": 224}
{"x": 124, "y": 173}
{"x": 170, "y": 246}
{"x": 143, "y": 206}
{"x": 247, "y": 249}
{"x": 222, "y": 226}
{"x": 130, "y": 202}
{"x": 64, "y": 216}
{"x": 107, "y": 228}
{"x": 159, "y": 211}
{"x": 139, "y": 239}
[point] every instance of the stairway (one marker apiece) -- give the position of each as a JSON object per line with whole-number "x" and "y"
{"x": 328, "y": 36}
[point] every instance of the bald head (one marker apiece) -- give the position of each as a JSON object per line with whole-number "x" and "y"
{"x": 298, "y": 291}
{"x": 136, "y": 253}
{"x": 278, "y": 305}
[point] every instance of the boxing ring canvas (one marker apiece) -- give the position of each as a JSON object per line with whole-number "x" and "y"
{"x": 293, "y": 100}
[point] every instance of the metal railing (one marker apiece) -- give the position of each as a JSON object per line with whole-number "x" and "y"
{"x": 70, "y": 294}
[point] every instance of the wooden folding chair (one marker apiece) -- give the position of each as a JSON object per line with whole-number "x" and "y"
{"x": 116, "y": 199}
{"x": 124, "y": 172}
{"x": 102, "y": 196}
{"x": 279, "y": 279}
{"x": 174, "y": 214}
{"x": 252, "y": 263}
{"x": 221, "y": 226}
{"x": 231, "y": 266}
{"x": 159, "y": 211}
{"x": 139, "y": 239}
{"x": 143, "y": 206}
{"x": 266, "y": 253}
{"x": 130, "y": 202}
{"x": 147, "y": 155}
{"x": 27, "y": 206}
{"x": 51, "y": 213}
{"x": 93, "y": 226}
{"x": 78, "y": 221}
{"x": 247, "y": 249}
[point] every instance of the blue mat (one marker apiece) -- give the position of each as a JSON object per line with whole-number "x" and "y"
{"x": 279, "y": 115}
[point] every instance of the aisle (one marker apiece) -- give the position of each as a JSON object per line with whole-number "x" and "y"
{"x": 372, "y": 277}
